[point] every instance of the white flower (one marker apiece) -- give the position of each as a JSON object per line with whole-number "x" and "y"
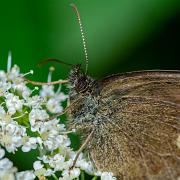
{"x": 61, "y": 96}
{"x": 50, "y": 125}
{"x": 2, "y": 113}
{"x": 40, "y": 170}
{"x": 5, "y": 164}
{"x": 2, "y": 153}
{"x": 22, "y": 88}
{"x": 25, "y": 175}
{"x": 4, "y": 87}
{"x": 6, "y": 167}
{"x": 44, "y": 158}
{"x": 14, "y": 73}
{"x": 37, "y": 114}
{"x": 53, "y": 99}
{"x": 57, "y": 162}
{"x": 6, "y": 175}
{"x": 25, "y": 124}
{"x": 72, "y": 174}
{"x": 83, "y": 164}
{"x": 11, "y": 135}
{"x": 13, "y": 103}
{"x": 50, "y": 132}
{"x": 36, "y": 117}
{"x": 86, "y": 166}
{"x": 47, "y": 91}
{"x": 7, "y": 170}
{"x": 49, "y": 172}
{"x": 37, "y": 165}
{"x": 34, "y": 102}
{"x": 53, "y": 105}
{"x": 30, "y": 143}
{"x": 107, "y": 176}
{"x": 3, "y": 76}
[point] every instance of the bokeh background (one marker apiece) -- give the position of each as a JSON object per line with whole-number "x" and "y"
{"x": 121, "y": 35}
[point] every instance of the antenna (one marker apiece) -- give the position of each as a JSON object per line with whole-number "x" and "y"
{"x": 43, "y": 62}
{"x": 82, "y": 34}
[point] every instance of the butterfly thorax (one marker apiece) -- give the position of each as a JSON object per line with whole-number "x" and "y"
{"x": 84, "y": 91}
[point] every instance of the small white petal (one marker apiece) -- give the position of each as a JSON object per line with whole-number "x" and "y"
{"x": 2, "y": 153}
{"x": 107, "y": 176}
{"x": 5, "y": 164}
{"x": 37, "y": 165}
{"x": 25, "y": 175}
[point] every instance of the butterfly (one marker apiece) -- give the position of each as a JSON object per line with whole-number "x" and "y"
{"x": 129, "y": 123}
{"x": 132, "y": 120}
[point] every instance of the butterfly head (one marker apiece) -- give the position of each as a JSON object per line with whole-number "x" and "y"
{"x": 79, "y": 80}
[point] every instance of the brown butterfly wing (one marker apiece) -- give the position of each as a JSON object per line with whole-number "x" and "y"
{"x": 139, "y": 136}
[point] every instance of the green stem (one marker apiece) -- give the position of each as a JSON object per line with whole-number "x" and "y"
{"x": 94, "y": 178}
{"x": 55, "y": 177}
{"x": 82, "y": 175}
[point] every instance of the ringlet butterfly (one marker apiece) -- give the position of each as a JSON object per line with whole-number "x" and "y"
{"x": 130, "y": 123}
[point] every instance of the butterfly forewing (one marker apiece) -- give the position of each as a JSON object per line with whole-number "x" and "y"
{"x": 140, "y": 132}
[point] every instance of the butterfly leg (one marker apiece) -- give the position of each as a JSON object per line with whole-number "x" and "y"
{"x": 46, "y": 83}
{"x": 88, "y": 139}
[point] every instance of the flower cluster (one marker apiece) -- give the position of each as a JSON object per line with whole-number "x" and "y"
{"x": 25, "y": 125}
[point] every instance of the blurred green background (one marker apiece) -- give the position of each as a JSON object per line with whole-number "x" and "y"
{"x": 122, "y": 35}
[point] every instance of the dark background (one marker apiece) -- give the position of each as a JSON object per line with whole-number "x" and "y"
{"x": 122, "y": 35}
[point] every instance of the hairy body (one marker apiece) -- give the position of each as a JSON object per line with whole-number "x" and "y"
{"x": 135, "y": 122}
